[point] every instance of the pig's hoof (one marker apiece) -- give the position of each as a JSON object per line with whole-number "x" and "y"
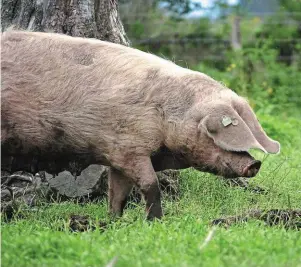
{"x": 152, "y": 217}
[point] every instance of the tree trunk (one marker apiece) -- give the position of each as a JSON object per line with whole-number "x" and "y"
{"x": 84, "y": 18}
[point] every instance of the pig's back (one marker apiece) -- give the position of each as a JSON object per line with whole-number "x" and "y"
{"x": 56, "y": 62}
{"x": 54, "y": 84}
{"x": 52, "y": 63}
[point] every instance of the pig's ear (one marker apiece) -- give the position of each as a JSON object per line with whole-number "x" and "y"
{"x": 246, "y": 113}
{"x": 228, "y": 130}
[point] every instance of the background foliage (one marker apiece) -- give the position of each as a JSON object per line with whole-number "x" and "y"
{"x": 266, "y": 69}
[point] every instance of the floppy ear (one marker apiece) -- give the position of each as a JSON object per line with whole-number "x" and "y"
{"x": 228, "y": 130}
{"x": 247, "y": 114}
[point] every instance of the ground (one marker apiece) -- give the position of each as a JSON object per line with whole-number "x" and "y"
{"x": 185, "y": 237}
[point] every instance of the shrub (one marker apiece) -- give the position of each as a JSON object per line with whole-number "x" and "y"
{"x": 272, "y": 87}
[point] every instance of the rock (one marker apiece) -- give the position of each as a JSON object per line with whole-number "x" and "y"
{"x": 92, "y": 182}
{"x": 6, "y": 195}
{"x": 21, "y": 188}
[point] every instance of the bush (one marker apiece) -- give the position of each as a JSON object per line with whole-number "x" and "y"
{"x": 272, "y": 87}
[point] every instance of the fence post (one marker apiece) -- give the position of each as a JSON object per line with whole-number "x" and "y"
{"x": 235, "y": 34}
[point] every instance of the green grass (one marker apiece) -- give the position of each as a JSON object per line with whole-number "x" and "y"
{"x": 38, "y": 240}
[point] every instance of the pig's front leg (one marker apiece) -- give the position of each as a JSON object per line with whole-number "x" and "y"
{"x": 140, "y": 170}
{"x": 119, "y": 189}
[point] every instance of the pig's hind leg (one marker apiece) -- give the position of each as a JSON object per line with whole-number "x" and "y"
{"x": 119, "y": 189}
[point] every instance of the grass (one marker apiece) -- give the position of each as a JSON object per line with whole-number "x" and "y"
{"x": 42, "y": 238}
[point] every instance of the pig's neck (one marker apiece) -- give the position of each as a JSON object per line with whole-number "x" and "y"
{"x": 174, "y": 95}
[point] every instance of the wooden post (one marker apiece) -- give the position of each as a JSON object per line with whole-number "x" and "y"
{"x": 235, "y": 34}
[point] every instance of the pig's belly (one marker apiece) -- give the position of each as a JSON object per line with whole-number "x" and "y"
{"x": 15, "y": 157}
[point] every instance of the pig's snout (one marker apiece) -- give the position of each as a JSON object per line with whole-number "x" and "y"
{"x": 252, "y": 169}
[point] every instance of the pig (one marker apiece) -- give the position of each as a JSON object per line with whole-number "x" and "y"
{"x": 120, "y": 107}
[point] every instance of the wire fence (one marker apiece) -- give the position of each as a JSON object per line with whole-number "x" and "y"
{"x": 184, "y": 40}
{"x": 234, "y": 41}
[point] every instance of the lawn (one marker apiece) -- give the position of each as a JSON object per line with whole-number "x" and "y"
{"x": 185, "y": 236}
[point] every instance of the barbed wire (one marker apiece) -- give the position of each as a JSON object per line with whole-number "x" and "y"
{"x": 161, "y": 41}
{"x": 161, "y": 22}
{"x": 211, "y": 8}
{"x": 247, "y": 14}
{"x": 224, "y": 58}
{"x": 173, "y": 39}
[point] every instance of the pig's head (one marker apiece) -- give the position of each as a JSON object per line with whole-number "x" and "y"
{"x": 215, "y": 137}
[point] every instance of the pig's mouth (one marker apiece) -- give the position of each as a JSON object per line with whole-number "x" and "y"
{"x": 248, "y": 169}
{"x": 243, "y": 165}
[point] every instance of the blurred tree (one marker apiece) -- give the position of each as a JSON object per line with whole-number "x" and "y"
{"x": 180, "y": 7}
{"x": 177, "y": 7}
{"x": 294, "y": 7}
{"x": 260, "y": 7}
{"x": 162, "y": 27}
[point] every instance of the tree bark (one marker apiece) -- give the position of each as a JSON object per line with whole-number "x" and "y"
{"x": 83, "y": 18}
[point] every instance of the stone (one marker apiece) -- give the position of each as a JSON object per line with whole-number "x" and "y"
{"x": 90, "y": 183}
